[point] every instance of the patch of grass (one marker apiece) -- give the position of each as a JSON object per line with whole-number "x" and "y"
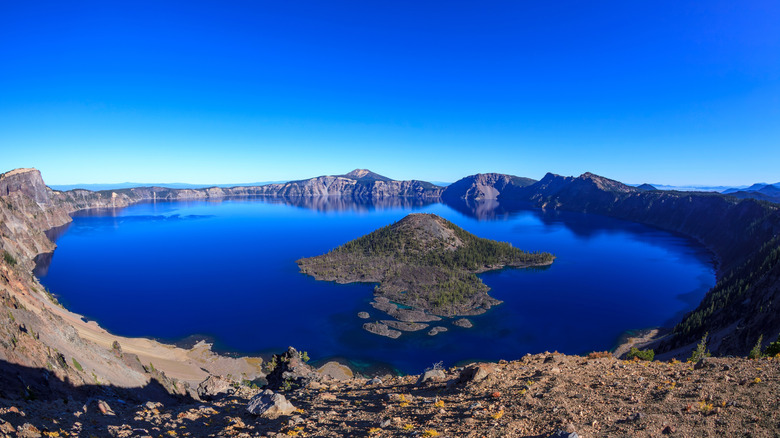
{"x": 76, "y": 364}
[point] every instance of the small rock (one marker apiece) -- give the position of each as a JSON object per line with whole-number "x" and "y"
{"x": 269, "y": 404}
{"x": 668, "y": 430}
{"x": 563, "y": 434}
{"x": 434, "y": 375}
{"x": 385, "y": 423}
{"x": 363, "y": 315}
{"x": 328, "y": 397}
{"x": 636, "y": 417}
{"x": 104, "y": 408}
{"x": 555, "y": 370}
{"x": 374, "y": 381}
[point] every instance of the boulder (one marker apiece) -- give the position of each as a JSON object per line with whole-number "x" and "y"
{"x": 363, "y": 315}
{"x": 475, "y": 373}
{"x": 104, "y": 408}
{"x": 214, "y": 387}
{"x": 269, "y": 404}
{"x": 435, "y": 375}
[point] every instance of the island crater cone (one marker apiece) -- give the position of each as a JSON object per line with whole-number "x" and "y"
{"x": 424, "y": 262}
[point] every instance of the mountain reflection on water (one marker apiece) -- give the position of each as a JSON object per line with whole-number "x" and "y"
{"x": 225, "y": 270}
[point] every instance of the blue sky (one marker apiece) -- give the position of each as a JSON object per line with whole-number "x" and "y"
{"x": 683, "y": 92}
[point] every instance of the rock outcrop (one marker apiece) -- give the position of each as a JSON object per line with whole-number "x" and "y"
{"x": 290, "y": 371}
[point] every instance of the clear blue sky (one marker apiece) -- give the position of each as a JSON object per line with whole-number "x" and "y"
{"x": 670, "y": 92}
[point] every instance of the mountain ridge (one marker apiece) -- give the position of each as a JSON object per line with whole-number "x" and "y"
{"x": 742, "y": 233}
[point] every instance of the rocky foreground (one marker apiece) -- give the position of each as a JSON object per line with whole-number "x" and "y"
{"x": 537, "y": 396}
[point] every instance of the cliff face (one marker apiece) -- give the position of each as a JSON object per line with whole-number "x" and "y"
{"x": 483, "y": 186}
{"x": 31, "y": 334}
{"x": 742, "y": 233}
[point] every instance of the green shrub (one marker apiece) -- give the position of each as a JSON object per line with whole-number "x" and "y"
{"x": 647, "y": 355}
{"x": 701, "y": 350}
{"x": 77, "y": 365}
{"x": 9, "y": 259}
{"x": 773, "y": 349}
{"x": 755, "y": 353}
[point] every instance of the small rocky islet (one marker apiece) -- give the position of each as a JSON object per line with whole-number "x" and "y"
{"x": 425, "y": 267}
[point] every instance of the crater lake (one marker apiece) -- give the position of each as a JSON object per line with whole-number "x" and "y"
{"x": 225, "y": 271}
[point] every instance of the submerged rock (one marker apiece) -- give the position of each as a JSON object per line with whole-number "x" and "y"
{"x": 380, "y": 329}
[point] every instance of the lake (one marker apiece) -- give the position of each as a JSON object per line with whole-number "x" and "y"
{"x": 225, "y": 271}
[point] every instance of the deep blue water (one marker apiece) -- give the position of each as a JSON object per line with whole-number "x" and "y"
{"x": 226, "y": 271}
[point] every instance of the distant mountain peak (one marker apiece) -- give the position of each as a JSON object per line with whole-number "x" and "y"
{"x": 359, "y": 173}
{"x": 365, "y": 175}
